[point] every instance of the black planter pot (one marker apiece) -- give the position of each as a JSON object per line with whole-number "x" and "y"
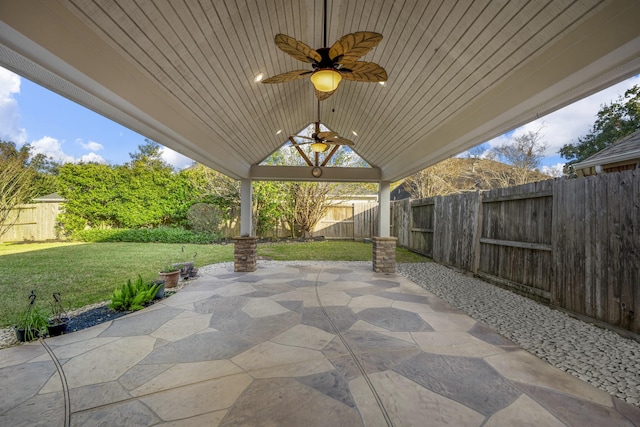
{"x": 59, "y": 328}
{"x": 160, "y": 292}
{"x": 22, "y": 336}
{"x": 185, "y": 268}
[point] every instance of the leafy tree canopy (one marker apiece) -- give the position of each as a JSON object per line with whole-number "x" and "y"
{"x": 145, "y": 192}
{"x": 613, "y": 122}
{"x": 149, "y": 155}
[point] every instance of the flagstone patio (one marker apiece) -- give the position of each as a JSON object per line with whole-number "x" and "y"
{"x": 312, "y": 345}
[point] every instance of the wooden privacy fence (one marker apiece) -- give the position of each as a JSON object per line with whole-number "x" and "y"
{"x": 36, "y": 222}
{"x": 347, "y": 221}
{"x": 574, "y": 243}
{"x": 355, "y": 221}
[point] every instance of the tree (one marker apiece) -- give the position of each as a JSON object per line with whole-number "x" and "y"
{"x": 91, "y": 191}
{"x": 524, "y": 153}
{"x": 268, "y": 200}
{"x": 150, "y": 155}
{"x": 214, "y": 187}
{"x": 303, "y": 204}
{"x": 613, "y": 122}
{"x": 456, "y": 175}
{"x": 145, "y": 192}
{"x": 16, "y": 182}
{"x": 307, "y": 204}
{"x": 438, "y": 180}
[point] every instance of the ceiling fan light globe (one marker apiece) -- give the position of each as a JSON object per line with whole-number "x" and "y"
{"x": 319, "y": 147}
{"x": 326, "y": 80}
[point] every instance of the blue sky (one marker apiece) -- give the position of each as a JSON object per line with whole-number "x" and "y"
{"x": 69, "y": 132}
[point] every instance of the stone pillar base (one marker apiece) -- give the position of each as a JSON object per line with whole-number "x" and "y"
{"x": 245, "y": 254}
{"x": 384, "y": 254}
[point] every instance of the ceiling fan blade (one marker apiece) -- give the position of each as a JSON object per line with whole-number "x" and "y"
{"x": 352, "y": 46}
{"x": 341, "y": 141}
{"x": 287, "y": 77}
{"x": 324, "y": 95}
{"x": 328, "y": 136}
{"x": 361, "y": 71}
{"x": 297, "y": 49}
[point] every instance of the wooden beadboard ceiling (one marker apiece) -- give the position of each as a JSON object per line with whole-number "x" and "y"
{"x": 460, "y": 72}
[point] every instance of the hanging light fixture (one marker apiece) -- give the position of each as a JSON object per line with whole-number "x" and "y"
{"x": 326, "y": 80}
{"x": 319, "y": 147}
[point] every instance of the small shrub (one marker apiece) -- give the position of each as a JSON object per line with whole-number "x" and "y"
{"x": 146, "y": 235}
{"x": 133, "y": 296}
{"x": 204, "y": 217}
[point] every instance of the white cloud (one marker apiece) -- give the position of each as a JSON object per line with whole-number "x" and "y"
{"x": 92, "y": 158}
{"x": 52, "y": 148}
{"x": 10, "y": 129}
{"x": 89, "y": 146}
{"x": 175, "y": 159}
{"x": 566, "y": 125}
{"x": 553, "y": 170}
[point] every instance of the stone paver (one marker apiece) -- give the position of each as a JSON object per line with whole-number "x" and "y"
{"x": 294, "y": 345}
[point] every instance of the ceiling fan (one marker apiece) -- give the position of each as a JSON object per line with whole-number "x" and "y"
{"x": 319, "y": 142}
{"x": 331, "y": 65}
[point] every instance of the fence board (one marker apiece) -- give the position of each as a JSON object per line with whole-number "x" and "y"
{"x": 453, "y": 237}
{"x": 36, "y": 222}
{"x": 628, "y": 252}
{"x": 365, "y": 220}
{"x": 337, "y": 223}
{"x": 613, "y": 192}
{"x": 518, "y": 220}
{"x": 400, "y": 221}
{"x": 421, "y": 226}
{"x": 596, "y": 247}
{"x": 635, "y": 214}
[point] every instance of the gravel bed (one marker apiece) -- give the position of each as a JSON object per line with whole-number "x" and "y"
{"x": 593, "y": 354}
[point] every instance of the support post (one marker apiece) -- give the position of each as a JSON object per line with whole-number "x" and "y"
{"x": 384, "y": 209}
{"x": 246, "y": 194}
{"x": 384, "y": 246}
{"x": 384, "y": 254}
{"x": 245, "y": 253}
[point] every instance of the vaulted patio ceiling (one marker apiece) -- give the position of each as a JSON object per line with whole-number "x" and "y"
{"x": 182, "y": 72}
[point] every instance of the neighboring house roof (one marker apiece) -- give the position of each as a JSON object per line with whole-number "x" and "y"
{"x": 623, "y": 152}
{"x": 50, "y": 198}
{"x": 400, "y": 193}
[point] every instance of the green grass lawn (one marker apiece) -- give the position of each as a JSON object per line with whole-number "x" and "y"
{"x": 86, "y": 273}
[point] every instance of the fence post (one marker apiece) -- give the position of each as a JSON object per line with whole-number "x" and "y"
{"x": 478, "y": 234}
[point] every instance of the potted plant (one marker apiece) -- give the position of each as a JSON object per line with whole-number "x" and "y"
{"x": 187, "y": 268}
{"x": 170, "y": 274}
{"x": 32, "y": 322}
{"x": 59, "y": 320}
